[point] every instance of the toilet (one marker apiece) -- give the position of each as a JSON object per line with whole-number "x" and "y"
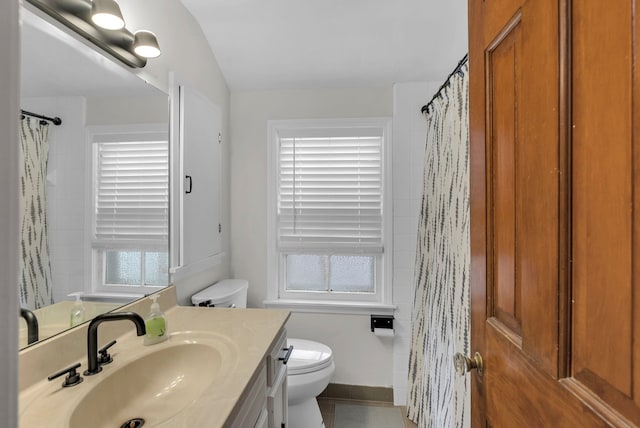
{"x": 310, "y": 369}
{"x": 310, "y": 365}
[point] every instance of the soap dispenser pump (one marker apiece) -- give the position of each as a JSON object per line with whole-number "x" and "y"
{"x": 156, "y": 324}
{"x": 77, "y": 312}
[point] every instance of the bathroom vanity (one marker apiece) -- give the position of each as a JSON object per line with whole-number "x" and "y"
{"x": 220, "y": 368}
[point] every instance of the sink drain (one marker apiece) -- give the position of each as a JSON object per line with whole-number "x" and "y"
{"x": 133, "y": 423}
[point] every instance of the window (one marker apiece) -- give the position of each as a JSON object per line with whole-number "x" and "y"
{"x": 130, "y": 215}
{"x": 328, "y": 228}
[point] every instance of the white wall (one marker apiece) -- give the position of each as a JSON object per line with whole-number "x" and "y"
{"x": 409, "y": 134}
{"x": 9, "y": 225}
{"x": 361, "y": 358}
{"x": 129, "y": 110}
{"x": 186, "y": 53}
{"x": 250, "y": 112}
{"x": 185, "y": 50}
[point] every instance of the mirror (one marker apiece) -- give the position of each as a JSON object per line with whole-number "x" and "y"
{"x": 114, "y": 250}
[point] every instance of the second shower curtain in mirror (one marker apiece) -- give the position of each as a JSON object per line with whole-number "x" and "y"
{"x": 35, "y": 266}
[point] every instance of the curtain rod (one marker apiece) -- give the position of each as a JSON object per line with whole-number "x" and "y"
{"x": 54, "y": 120}
{"x": 446, "y": 83}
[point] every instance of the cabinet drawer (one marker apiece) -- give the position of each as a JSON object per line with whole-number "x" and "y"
{"x": 263, "y": 421}
{"x": 277, "y": 382}
{"x": 276, "y": 357}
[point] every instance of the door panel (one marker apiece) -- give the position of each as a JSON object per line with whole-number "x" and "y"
{"x": 521, "y": 58}
{"x": 502, "y": 79}
{"x": 554, "y": 183}
{"x": 501, "y": 11}
{"x": 604, "y": 311}
{"x": 538, "y": 181}
{"x": 518, "y": 392}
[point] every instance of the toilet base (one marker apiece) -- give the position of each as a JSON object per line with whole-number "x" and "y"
{"x": 305, "y": 415}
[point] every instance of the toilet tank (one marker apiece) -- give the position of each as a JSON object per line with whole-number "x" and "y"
{"x": 228, "y": 293}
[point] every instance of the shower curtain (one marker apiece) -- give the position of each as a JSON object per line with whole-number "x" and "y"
{"x": 35, "y": 267}
{"x": 437, "y": 397}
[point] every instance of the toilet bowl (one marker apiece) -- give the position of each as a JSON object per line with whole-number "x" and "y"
{"x": 310, "y": 368}
{"x": 310, "y": 365}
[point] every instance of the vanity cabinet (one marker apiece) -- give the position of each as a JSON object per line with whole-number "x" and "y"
{"x": 254, "y": 406}
{"x": 265, "y": 403}
{"x": 230, "y": 358}
{"x": 196, "y": 229}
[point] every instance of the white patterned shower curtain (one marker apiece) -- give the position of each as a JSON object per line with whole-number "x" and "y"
{"x": 35, "y": 267}
{"x": 437, "y": 397}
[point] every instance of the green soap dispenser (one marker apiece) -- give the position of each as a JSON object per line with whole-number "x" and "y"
{"x": 156, "y": 324}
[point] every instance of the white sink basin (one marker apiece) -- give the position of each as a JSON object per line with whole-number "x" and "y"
{"x": 155, "y": 387}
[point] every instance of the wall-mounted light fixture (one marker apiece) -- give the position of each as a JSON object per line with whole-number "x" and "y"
{"x": 101, "y": 22}
{"x": 106, "y": 14}
{"x": 145, "y": 44}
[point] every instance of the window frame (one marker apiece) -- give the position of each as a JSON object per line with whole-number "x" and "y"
{"x": 331, "y": 302}
{"x": 98, "y": 249}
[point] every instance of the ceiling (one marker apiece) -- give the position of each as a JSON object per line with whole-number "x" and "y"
{"x": 279, "y": 44}
{"x": 273, "y": 44}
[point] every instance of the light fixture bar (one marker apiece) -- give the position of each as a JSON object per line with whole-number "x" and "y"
{"x": 77, "y": 16}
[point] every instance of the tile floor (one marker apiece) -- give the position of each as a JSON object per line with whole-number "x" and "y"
{"x": 344, "y": 413}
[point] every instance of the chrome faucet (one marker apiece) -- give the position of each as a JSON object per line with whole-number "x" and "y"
{"x": 92, "y": 336}
{"x": 32, "y": 325}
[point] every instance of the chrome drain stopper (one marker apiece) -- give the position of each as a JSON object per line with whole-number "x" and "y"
{"x": 133, "y": 423}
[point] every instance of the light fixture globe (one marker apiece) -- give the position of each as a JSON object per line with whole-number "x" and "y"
{"x": 145, "y": 44}
{"x": 106, "y": 14}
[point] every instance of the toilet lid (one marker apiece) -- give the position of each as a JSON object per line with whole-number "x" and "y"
{"x": 308, "y": 356}
{"x": 220, "y": 292}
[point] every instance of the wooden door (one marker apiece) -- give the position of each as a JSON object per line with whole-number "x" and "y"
{"x": 554, "y": 179}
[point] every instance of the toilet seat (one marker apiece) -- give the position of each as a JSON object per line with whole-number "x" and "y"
{"x": 308, "y": 356}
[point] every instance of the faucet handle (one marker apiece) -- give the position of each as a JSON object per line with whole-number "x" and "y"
{"x": 72, "y": 379}
{"x": 104, "y": 357}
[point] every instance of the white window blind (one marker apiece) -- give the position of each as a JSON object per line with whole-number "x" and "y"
{"x": 132, "y": 191}
{"x": 330, "y": 191}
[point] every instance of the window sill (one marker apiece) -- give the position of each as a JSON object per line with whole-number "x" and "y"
{"x": 329, "y": 307}
{"x": 102, "y": 296}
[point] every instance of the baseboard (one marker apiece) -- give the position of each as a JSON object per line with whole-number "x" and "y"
{"x": 358, "y": 392}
